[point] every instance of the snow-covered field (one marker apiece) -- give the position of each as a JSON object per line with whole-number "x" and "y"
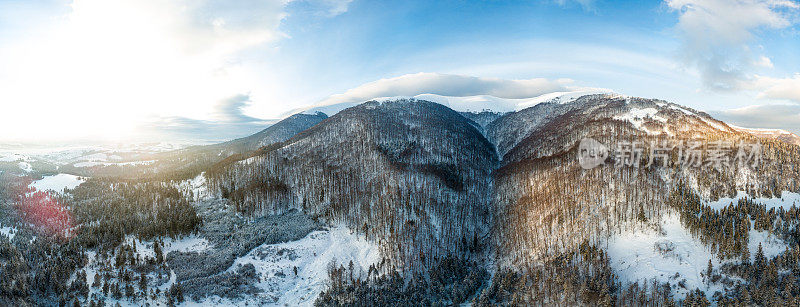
{"x": 57, "y": 183}
{"x": 786, "y": 201}
{"x": 674, "y": 256}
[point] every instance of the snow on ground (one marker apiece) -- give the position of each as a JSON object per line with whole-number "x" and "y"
{"x": 144, "y": 249}
{"x": 311, "y": 255}
{"x": 190, "y": 243}
{"x": 713, "y": 123}
{"x": 93, "y": 267}
{"x": 786, "y": 201}
{"x": 274, "y": 263}
{"x": 196, "y": 186}
{"x": 13, "y": 157}
{"x": 637, "y": 117}
{"x": 95, "y": 163}
{"x": 771, "y": 245}
{"x": 10, "y": 232}
{"x": 57, "y": 183}
{"x": 25, "y": 166}
{"x": 672, "y": 255}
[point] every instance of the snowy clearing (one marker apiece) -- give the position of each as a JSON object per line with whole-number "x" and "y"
{"x": 674, "y": 256}
{"x": 669, "y": 257}
{"x": 57, "y": 183}
{"x": 311, "y": 256}
{"x": 786, "y": 201}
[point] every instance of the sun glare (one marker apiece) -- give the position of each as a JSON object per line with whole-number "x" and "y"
{"x": 107, "y": 65}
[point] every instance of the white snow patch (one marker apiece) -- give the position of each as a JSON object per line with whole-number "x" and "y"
{"x": 637, "y": 117}
{"x": 13, "y": 157}
{"x": 10, "y": 232}
{"x": 25, "y": 166}
{"x": 311, "y": 256}
{"x": 672, "y": 255}
{"x": 644, "y": 255}
{"x": 197, "y": 186}
{"x": 57, "y": 183}
{"x": 190, "y": 243}
{"x": 771, "y": 245}
{"x": 786, "y": 201}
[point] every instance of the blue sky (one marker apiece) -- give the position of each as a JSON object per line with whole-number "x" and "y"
{"x": 159, "y": 64}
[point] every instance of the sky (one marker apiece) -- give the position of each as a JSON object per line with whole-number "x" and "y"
{"x": 115, "y": 70}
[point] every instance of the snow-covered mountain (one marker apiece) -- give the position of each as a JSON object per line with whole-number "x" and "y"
{"x": 508, "y": 175}
{"x": 473, "y": 104}
{"x": 443, "y": 200}
{"x": 778, "y": 134}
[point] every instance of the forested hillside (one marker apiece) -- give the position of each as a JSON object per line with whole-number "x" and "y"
{"x": 411, "y": 175}
{"x": 431, "y": 207}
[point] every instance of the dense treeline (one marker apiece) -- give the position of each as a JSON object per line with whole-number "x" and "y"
{"x": 581, "y": 277}
{"x": 108, "y": 210}
{"x": 450, "y": 282}
{"x": 45, "y": 267}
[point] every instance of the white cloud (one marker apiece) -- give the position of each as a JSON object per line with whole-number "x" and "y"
{"x": 448, "y": 85}
{"x": 776, "y": 116}
{"x": 108, "y": 65}
{"x": 764, "y": 62}
{"x": 717, "y": 33}
{"x": 778, "y": 88}
{"x": 586, "y": 4}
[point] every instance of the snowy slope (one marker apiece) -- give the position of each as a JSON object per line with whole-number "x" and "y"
{"x": 672, "y": 255}
{"x": 311, "y": 256}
